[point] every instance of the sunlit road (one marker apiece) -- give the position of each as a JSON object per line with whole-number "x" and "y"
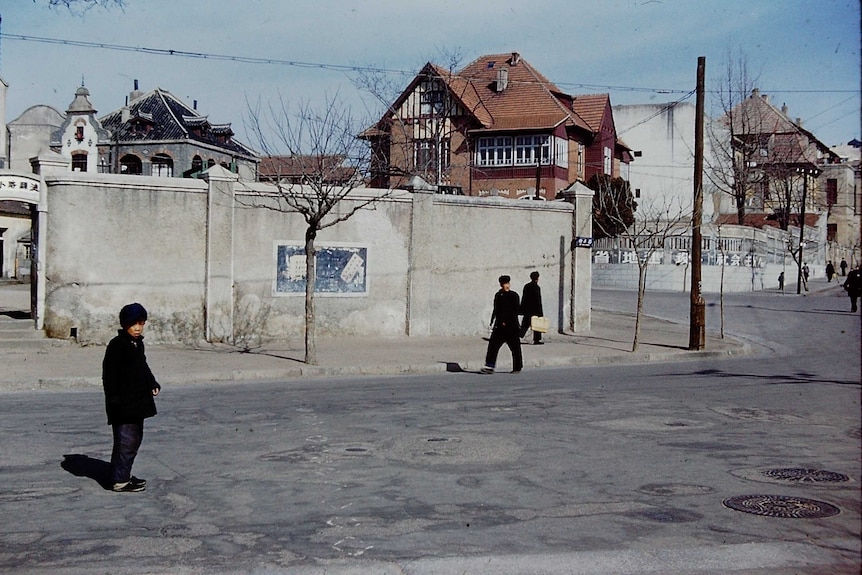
{"x": 616, "y": 469}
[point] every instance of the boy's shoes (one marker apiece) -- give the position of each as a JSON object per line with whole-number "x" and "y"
{"x": 138, "y": 481}
{"x": 538, "y": 343}
{"x": 487, "y": 370}
{"x": 128, "y": 487}
{"x": 516, "y": 371}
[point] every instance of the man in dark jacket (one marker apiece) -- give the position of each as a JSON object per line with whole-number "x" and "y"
{"x": 531, "y": 304}
{"x": 853, "y": 285}
{"x": 129, "y": 390}
{"x": 504, "y": 322}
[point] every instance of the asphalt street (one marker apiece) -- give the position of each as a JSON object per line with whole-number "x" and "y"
{"x": 614, "y": 469}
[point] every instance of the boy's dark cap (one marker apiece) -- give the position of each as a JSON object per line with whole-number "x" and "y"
{"x": 534, "y": 276}
{"x": 505, "y": 280}
{"x": 132, "y": 314}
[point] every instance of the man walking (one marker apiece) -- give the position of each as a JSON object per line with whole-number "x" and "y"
{"x": 853, "y": 285}
{"x": 504, "y": 328}
{"x": 531, "y": 304}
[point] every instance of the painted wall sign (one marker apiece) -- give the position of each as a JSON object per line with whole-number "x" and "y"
{"x": 582, "y": 242}
{"x": 18, "y": 182}
{"x": 341, "y": 270}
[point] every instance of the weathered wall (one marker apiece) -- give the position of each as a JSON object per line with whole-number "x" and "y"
{"x": 111, "y": 240}
{"x": 204, "y": 264}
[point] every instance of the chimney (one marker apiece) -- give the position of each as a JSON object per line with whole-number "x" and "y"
{"x": 502, "y": 79}
{"x": 784, "y": 109}
{"x": 515, "y": 59}
{"x": 135, "y": 94}
{"x": 195, "y": 105}
{"x": 799, "y": 122}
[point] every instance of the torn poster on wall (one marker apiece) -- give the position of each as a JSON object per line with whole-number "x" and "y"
{"x": 340, "y": 270}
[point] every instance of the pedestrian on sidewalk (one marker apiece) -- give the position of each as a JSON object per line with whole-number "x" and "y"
{"x": 830, "y": 271}
{"x": 781, "y": 281}
{"x": 129, "y": 387}
{"x": 853, "y": 285}
{"x": 843, "y": 266}
{"x": 504, "y": 327}
{"x": 531, "y": 304}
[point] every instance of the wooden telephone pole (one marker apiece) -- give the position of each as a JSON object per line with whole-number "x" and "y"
{"x": 697, "y": 329}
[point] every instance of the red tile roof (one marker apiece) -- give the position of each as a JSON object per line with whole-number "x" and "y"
{"x": 528, "y": 99}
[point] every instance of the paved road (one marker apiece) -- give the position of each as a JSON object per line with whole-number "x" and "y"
{"x": 615, "y": 469}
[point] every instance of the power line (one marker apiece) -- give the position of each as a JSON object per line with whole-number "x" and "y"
{"x": 333, "y": 67}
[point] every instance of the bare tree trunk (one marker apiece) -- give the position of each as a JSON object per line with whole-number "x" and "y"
{"x": 310, "y": 280}
{"x": 642, "y": 269}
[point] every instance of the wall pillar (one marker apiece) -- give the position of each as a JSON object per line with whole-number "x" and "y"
{"x": 421, "y": 262}
{"x": 219, "y": 286}
{"x": 582, "y": 255}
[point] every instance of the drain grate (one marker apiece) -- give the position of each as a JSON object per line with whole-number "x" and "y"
{"x": 804, "y": 475}
{"x": 781, "y": 506}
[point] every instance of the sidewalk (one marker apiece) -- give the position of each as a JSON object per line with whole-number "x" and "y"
{"x": 55, "y": 364}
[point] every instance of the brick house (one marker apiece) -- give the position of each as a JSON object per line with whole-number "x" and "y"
{"x": 497, "y": 127}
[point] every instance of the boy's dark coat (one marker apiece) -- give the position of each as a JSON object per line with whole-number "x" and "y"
{"x": 128, "y": 381}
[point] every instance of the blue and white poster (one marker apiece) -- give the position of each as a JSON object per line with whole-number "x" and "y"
{"x": 341, "y": 270}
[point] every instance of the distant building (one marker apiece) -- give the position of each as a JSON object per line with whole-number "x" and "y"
{"x": 156, "y": 134}
{"x": 331, "y": 170}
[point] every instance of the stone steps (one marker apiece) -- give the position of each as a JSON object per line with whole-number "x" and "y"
{"x": 19, "y": 333}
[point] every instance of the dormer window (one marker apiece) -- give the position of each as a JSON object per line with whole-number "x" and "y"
{"x": 79, "y": 133}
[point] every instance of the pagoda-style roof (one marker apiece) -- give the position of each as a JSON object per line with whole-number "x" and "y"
{"x": 172, "y": 120}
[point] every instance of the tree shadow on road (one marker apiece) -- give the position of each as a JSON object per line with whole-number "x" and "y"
{"x": 85, "y": 466}
{"x": 798, "y": 377}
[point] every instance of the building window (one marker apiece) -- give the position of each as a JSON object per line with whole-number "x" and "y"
{"x": 131, "y": 165}
{"x": 424, "y": 158}
{"x": 529, "y": 148}
{"x": 831, "y": 191}
{"x": 495, "y": 151}
{"x": 197, "y": 164}
{"x": 79, "y": 162}
{"x": 831, "y": 232}
{"x": 432, "y": 98}
{"x": 162, "y": 166}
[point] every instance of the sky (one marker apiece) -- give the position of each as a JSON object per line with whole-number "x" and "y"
{"x": 804, "y": 53}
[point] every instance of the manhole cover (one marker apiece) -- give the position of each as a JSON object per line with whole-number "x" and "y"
{"x": 781, "y": 506}
{"x": 804, "y": 475}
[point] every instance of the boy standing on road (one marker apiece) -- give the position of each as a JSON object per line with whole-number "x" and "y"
{"x": 129, "y": 391}
{"x": 504, "y": 322}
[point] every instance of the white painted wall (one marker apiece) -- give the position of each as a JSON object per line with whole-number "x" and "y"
{"x": 664, "y": 136}
{"x": 175, "y": 246}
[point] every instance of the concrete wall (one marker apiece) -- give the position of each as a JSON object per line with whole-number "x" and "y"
{"x": 203, "y": 261}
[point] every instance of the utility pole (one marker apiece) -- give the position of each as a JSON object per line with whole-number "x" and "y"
{"x": 697, "y": 316}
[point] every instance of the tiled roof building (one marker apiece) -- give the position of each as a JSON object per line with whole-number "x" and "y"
{"x": 158, "y": 134}
{"x": 496, "y": 127}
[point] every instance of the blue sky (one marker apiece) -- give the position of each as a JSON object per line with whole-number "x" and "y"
{"x": 805, "y": 53}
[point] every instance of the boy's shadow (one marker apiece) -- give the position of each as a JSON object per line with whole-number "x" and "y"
{"x": 85, "y": 466}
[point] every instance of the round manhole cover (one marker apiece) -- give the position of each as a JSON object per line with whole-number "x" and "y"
{"x": 781, "y": 506}
{"x": 804, "y": 475}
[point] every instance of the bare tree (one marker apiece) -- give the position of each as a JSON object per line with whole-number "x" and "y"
{"x": 322, "y": 144}
{"x": 73, "y": 5}
{"x": 732, "y": 168}
{"x": 645, "y": 237}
